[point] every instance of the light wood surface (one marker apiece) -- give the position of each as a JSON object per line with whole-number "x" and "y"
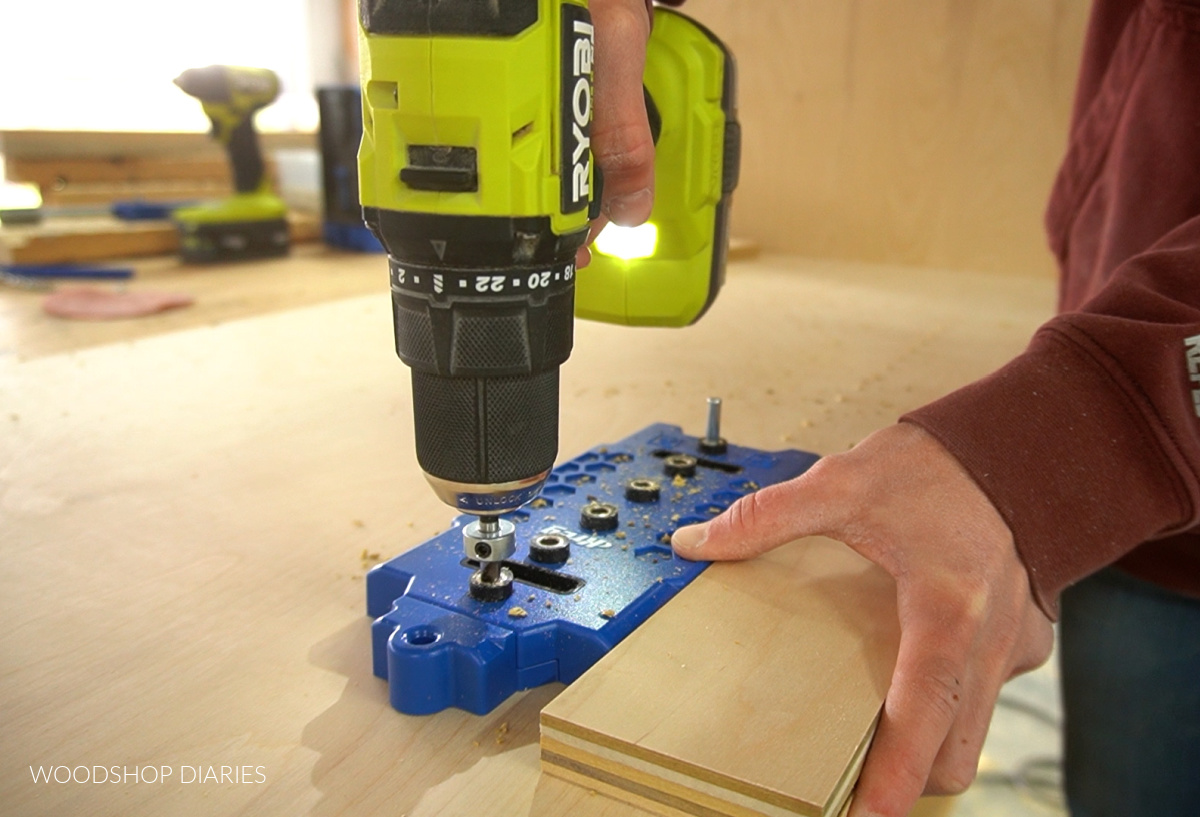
{"x": 754, "y": 691}
{"x": 183, "y": 520}
{"x": 921, "y": 133}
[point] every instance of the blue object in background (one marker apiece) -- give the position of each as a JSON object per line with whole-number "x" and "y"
{"x": 438, "y": 647}
{"x": 340, "y": 109}
{"x": 55, "y": 271}
{"x": 139, "y": 210}
{"x": 354, "y": 237}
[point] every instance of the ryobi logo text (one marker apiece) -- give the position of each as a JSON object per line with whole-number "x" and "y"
{"x": 576, "y": 104}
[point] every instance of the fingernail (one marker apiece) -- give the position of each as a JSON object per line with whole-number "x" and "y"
{"x": 630, "y": 209}
{"x": 689, "y": 538}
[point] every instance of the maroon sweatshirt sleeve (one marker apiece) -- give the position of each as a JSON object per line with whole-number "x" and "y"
{"x": 1089, "y": 443}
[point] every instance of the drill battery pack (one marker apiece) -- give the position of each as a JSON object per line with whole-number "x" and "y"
{"x": 208, "y": 242}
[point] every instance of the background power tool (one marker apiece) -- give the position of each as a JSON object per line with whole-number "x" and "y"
{"x": 253, "y": 222}
{"x": 476, "y": 174}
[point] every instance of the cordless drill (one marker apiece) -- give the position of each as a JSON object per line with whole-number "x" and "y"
{"x": 476, "y": 175}
{"x": 253, "y": 222}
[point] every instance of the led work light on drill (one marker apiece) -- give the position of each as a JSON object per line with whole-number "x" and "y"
{"x": 476, "y": 174}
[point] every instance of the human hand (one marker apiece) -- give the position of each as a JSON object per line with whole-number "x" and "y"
{"x": 621, "y": 143}
{"x": 968, "y": 621}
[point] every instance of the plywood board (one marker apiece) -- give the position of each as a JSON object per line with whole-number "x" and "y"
{"x": 754, "y": 692}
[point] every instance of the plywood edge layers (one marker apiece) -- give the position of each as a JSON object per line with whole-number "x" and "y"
{"x": 637, "y": 796}
{"x": 712, "y": 793}
{"x": 597, "y": 741}
{"x": 642, "y": 788}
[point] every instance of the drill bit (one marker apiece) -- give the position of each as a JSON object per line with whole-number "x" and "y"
{"x": 713, "y": 442}
{"x": 714, "y": 421}
{"x": 489, "y": 528}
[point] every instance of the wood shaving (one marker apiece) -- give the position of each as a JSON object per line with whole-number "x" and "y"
{"x": 517, "y": 612}
{"x": 607, "y": 613}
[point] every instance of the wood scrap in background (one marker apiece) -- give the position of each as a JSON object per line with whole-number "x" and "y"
{"x": 90, "y": 181}
{"x": 71, "y": 240}
{"x": 97, "y": 238}
{"x": 755, "y": 691}
{"x": 73, "y": 168}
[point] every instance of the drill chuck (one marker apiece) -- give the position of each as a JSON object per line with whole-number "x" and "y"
{"x": 483, "y": 310}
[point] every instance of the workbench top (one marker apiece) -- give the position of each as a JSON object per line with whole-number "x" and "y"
{"x": 185, "y": 521}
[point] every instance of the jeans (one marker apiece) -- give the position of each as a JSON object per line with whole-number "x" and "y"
{"x": 1130, "y": 660}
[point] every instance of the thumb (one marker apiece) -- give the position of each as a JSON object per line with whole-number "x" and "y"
{"x": 621, "y": 138}
{"x": 756, "y": 523}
